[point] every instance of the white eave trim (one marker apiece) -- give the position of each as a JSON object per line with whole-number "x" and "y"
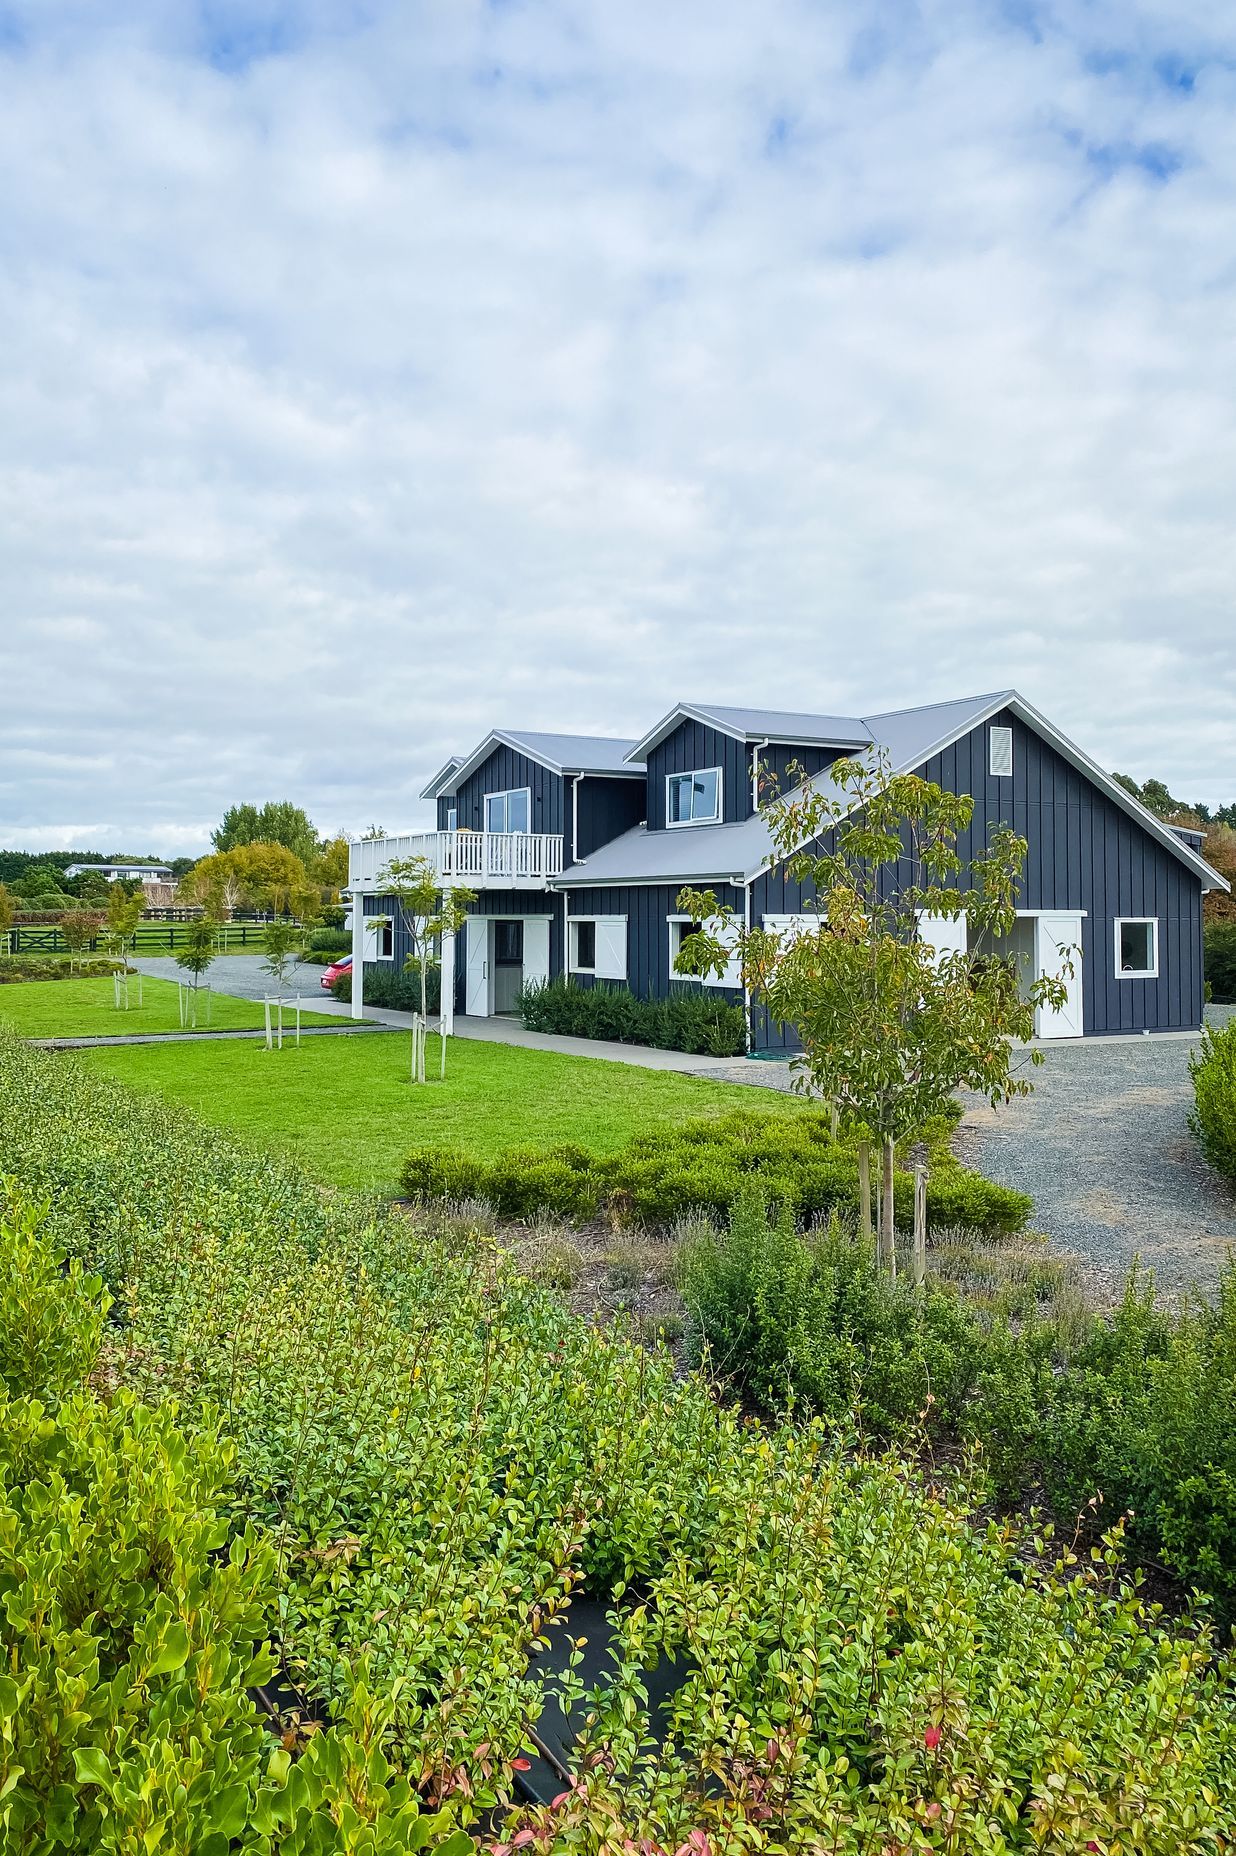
{"x": 690, "y": 712}
{"x": 445, "y": 773}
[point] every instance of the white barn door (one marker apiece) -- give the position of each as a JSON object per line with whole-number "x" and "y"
{"x": 1058, "y": 940}
{"x": 536, "y": 950}
{"x": 943, "y": 934}
{"x": 479, "y": 967}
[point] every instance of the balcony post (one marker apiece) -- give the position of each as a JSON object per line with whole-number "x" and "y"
{"x": 358, "y": 953}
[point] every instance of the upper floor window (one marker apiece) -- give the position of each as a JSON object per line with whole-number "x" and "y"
{"x": 693, "y": 798}
{"x": 452, "y": 818}
{"x": 1000, "y": 747}
{"x": 509, "y": 811}
{"x": 1137, "y": 947}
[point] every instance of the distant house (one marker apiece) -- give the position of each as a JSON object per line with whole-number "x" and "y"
{"x": 577, "y": 848}
{"x": 144, "y": 872}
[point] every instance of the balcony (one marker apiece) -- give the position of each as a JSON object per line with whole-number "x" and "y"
{"x": 476, "y": 859}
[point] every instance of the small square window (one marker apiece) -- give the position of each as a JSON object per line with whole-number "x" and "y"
{"x": 1137, "y": 948}
{"x": 585, "y": 946}
{"x": 693, "y": 798}
{"x": 384, "y": 941}
{"x": 1000, "y": 742}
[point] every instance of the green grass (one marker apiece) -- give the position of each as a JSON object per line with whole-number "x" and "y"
{"x": 344, "y": 1108}
{"x": 85, "y": 1009}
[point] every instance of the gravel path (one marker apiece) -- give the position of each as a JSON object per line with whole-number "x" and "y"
{"x": 238, "y": 974}
{"x": 1104, "y": 1149}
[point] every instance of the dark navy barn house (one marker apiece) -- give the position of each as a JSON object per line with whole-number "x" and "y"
{"x": 577, "y": 846}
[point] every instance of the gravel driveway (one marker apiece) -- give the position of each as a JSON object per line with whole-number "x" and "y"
{"x": 238, "y": 974}
{"x": 1104, "y": 1149}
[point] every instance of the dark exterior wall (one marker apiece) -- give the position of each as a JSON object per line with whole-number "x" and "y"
{"x": 607, "y": 808}
{"x": 1084, "y": 853}
{"x": 504, "y": 769}
{"x": 647, "y": 910}
{"x": 691, "y": 746}
{"x": 776, "y": 761}
{"x": 445, "y": 802}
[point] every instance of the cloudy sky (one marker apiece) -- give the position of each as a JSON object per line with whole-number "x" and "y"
{"x": 374, "y": 372}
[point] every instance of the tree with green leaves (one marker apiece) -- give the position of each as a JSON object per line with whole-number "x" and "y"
{"x": 276, "y": 822}
{"x": 6, "y": 917}
{"x": 196, "y": 953}
{"x": 890, "y": 1025}
{"x": 124, "y": 912}
{"x": 77, "y": 930}
{"x": 426, "y": 913}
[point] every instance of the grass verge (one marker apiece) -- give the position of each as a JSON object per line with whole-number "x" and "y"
{"x": 86, "y": 1009}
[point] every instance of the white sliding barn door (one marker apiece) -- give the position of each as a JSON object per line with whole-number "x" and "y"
{"x": 943, "y": 934}
{"x": 480, "y": 933}
{"x": 536, "y": 950}
{"x": 1057, "y": 943}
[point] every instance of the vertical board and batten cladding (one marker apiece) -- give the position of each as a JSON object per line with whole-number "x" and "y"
{"x": 608, "y": 806}
{"x": 1084, "y": 852}
{"x": 647, "y": 908}
{"x": 502, "y": 771}
{"x": 506, "y": 903}
{"x": 776, "y": 763}
{"x": 690, "y": 748}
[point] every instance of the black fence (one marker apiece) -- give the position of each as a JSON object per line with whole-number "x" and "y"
{"x": 152, "y": 937}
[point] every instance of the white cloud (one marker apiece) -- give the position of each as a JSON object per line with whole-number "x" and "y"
{"x": 456, "y": 364}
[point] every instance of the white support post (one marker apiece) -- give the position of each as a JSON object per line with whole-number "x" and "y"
{"x": 266, "y": 1008}
{"x": 298, "y": 1021}
{"x": 446, "y": 1004}
{"x": 358, "y": 955}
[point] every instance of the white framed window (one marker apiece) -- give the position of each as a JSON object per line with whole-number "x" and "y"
{"x": 452, "y": 818}
{"x": 681, "y": 928}
{"x": 509, "y": 811}
{"x": 693, "y": 798}
{"x": 597, "y": 945}
{"x": 1137, "y": 947}
{"x": 1000, "y": 752}
{"x": 381, "y": 938}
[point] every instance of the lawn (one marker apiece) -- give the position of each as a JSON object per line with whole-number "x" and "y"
{"x": 86, "y": 1009}
{"x": 343, "y": 1106}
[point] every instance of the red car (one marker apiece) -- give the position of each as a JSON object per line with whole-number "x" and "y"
{"x": 336, "y": 970}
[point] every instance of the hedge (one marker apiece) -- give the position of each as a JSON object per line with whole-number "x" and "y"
{"x": 702, "y": 1166}
{"x": 439, "y": 1455}
{"x": 18, "y": 967}
{"x": 1213, "y": 1118}
{"x": 691, "y": 1019}
{"x": 388, "y": 988}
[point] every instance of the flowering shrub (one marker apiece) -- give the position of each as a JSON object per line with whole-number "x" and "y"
{"x": 433, "y": 1456}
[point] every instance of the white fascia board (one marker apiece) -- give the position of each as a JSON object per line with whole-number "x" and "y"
{"x": 569, "y": 881}
{"x": 444, "y": 773}
{"x": 498, "y": 738}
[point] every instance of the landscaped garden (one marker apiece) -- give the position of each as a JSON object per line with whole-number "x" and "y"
{"x": 324, "y": 1483}
{"x": 84, "y": 1008}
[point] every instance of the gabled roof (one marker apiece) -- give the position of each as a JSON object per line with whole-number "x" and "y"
{"x": 439, "y": 784}
{"x": 565, "y": 754}
{"x": 788, "y": 727}
{"x": 908, "y": 737}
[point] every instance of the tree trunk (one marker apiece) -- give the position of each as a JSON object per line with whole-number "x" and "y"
{"x": 888, "y": 1227}
{"x": 424, "y": 1015}
{"x": 920, "y": 1226}
{"x": 864, "y": 1191}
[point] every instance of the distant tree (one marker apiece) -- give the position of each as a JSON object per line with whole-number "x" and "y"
{"x": 330, "y": 869}
{"x": 124, "y": 912}
{"x": 77, "y": 930}
{"x": 6, "y": 916}
{"x": 276, "y": 822}
{"x": 1153, "y": 794}
{"x": 181, "y": 866}
{"x": 373, "y": 832}
{"x": 890, "y": 1026}
{"x": 90, "y": 884}
{"x": 262, "y": 876}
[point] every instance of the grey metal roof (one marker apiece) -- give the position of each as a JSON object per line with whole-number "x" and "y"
{"x": 791, "y": 726}
{"x": 438, "y": 785}
{"x": 908, "y": 737}
{"x": 573, "y": 753}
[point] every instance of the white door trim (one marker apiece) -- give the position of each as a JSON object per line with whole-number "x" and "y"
{"x": 1056, "y": 930}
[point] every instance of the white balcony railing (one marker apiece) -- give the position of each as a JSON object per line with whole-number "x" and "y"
{"x": 477, "y": 859}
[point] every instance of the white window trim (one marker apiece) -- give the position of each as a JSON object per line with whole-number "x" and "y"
{"x": 375, "y": 924}
{"x": 1134, "y": 921}
{"x": 693, "y": 773}
{"x": 597, "y": 921}
{"x": 452, "y": 818}
{"x": 1003, "y": 729}
{"x": 701, "y": 979}
{"x": 509, "y": 792}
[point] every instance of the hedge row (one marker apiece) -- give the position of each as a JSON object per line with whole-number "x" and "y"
{"x": 1219, "y": 940}
{"x": 392, "y": 990}
{"x": 1213, "y": 1069}
{"x": 438, "y": 1454}
{"x": 17, "y": 967}
{"x": 702, "y": 1166}
{"x": 690, "y": 1019}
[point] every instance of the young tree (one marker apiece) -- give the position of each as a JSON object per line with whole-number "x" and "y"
{"x": 890, "y": 1027}
{"x": 77, "y": 930}
{"x": 124, "y": 912}
{"x": 6, "y": 916}
{"x": 196, "y": 952}
{"x": 330, "y": 870}
{"x": 426, "y": 912}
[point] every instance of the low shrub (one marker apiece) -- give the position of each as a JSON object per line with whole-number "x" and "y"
{"x": 691, "y": 1019}
{"x": 391, "y": 990}
{"x": 1219, "y": 952}
{"x": 1213, "y": 1119}
{"x": 810, "y": 1318}
{"x": 19, "y": 967}
{"x": 330, "y": 941}
{"x": 702, "y": 1165}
